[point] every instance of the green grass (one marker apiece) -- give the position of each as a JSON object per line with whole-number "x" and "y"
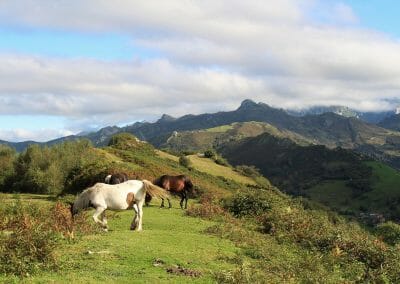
{"x": 166, "y": 155}
{"x": 209, "y": 166}
{"x": 385, "y": 185}
{"x": 124, "y": 256}
{"x": 222, "y": 128}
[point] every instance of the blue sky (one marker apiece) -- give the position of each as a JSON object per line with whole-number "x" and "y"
{"x": 104, "y": 46}
{"x": 381, "y": 15}
{"x": 66, "y": 67}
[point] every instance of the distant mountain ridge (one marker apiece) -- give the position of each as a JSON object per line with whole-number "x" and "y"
{"x": 391, "y": 122}
{"x": 327, "y": 129}
{"x": 370, "y": 117}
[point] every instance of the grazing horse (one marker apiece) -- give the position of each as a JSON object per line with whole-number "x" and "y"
{"x": 116, "y": 178}
{"x": 130, "y": 194}
{"x": 175, "y": 184}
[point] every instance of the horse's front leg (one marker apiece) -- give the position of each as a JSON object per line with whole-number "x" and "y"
{"x": 169, "y": 203}
{"x": 135, "y": 220}
{"x": 104, "y": 218}
{"x": 182, "y": 198}
{"x": 186, "y": 200}
{"x": 140, "y": 215}
{"x": 99, "y": 211}
{"x": 162, "y": 203}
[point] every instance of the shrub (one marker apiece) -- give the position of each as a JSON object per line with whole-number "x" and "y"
{"x": 247, "y": 203}
{"x": 205, "y": 210}
{"x": 249, "y": 171}
{"x": 209, "y": 154}
{"x": 7, "y": 159}
{"x": 27, "y": 243}
{"x": 221, "y": 161}
{"x": 50, "y": 170}
{"x": 30, "y": 234}
{"x": 185, "y": 161}
{"x": 389, "y": 232}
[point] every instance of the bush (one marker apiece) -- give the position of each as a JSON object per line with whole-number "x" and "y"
{"x": 45, "y": 170}
{"x": 389, "y": 232}
{"x": 30, "y": 234}
{"x": 248, "y": 203}
{"x": 249, "y": 171}
{"x": 206, "y": 210}
{"x": 27, "y": 244}
{"x": 185, "y": 161}
{"x": 209, "y": 154}
{"x": 7, "y": 159}
{"x": 221, "y": 161}
{"x": 28, "y": 249}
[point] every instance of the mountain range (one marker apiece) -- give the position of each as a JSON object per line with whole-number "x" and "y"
{"x": 370, "y": 117}
{"x": 328, "y": 128}
{"x": 331, "y": 158}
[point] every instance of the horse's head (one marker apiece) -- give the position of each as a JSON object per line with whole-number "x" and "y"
{"x": 71, "y": 208}
{"x": 189, "y": 186}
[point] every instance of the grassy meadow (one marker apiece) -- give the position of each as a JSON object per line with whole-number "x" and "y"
{"x": 169, "y": 239}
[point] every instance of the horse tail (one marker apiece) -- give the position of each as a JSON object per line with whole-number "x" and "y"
{"x": 82, "y": 201}
{"x": 154, "y": 190}
{"x": 107, "y": 179}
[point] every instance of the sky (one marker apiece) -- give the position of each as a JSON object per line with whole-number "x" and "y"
{"x": 68, "y": 66}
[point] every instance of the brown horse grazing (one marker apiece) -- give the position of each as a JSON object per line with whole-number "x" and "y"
{"x": 175, "y": 184}
{"x": 116, "y": 178}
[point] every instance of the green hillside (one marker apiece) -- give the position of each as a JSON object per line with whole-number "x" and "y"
{"x": 338, "y": 178}
{"x": 201, "y": 140}
{"x": 384, "y": 196}
{"x": 232, "y": 232}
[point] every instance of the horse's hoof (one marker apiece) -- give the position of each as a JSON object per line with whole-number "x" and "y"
{"x": 105, "y": 230}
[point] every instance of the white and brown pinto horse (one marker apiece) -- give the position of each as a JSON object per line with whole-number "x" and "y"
{"x": 130, "y": 194}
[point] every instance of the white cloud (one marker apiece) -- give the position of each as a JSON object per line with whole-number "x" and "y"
{"x": 41, "y": 135}
{"x": 345, "y": 14}
{"x": 212, "y": 55}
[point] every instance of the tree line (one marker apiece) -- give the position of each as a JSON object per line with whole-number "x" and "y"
{"x": 63, "y": 168}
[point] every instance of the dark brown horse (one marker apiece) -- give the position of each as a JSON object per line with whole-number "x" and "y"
{"x": 116, "y": 178}
{"x": 180, "y": 185}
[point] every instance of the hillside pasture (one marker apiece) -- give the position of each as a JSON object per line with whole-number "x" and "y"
{"x": 169, "y": 240}
{"x": 210, "y": 167}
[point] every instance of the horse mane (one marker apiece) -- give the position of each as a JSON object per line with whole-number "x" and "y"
{"x": 154, "y": 190}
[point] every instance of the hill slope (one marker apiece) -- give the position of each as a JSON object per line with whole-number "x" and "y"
{"x": 339, "y": 178}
